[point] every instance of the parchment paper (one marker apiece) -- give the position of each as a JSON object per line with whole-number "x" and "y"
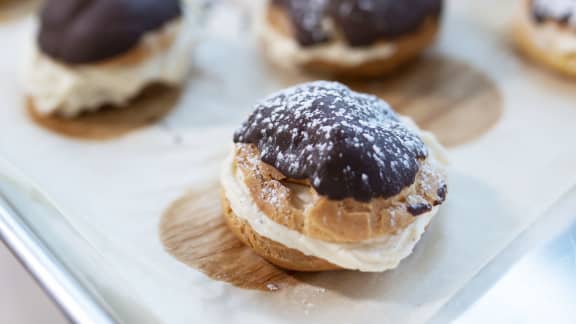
{"x": 114, "y": 192}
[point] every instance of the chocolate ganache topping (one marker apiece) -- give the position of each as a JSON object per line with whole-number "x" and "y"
{"x": 562, "y": 11}
{"x": 361, "y": 22}
{"x": 87, "y": 31}
{"x": 347, "y": 144}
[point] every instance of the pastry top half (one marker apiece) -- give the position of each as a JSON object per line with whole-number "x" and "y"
{"x": 359, "y": 22}
{"x": 87, "y": 31}
{"x": 557, "y": 11}
{"x": 336, "y": 165}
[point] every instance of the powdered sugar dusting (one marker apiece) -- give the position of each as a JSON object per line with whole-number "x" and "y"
{"x": 346, "y": 143}
{"x": 272, "y": 287}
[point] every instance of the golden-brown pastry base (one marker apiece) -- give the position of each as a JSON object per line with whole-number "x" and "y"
{"x": 343, "y": 221}
{"x": 153, "y": 104}
{"x": 274, "y": 252}
{"x": 525, "y": 41}
{"x": 407, "y": 48}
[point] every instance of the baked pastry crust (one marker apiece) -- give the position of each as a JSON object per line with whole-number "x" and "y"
{"x": 523, "y": 34}
{"x": 272, "y": 251}
{"x": 295, "y": 204}
{"x": 406, "y": 49}
{"x": 151, "y": 105}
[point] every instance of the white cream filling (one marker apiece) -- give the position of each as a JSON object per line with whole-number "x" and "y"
{"x": 70, "y": 90}
{"x": 287, "y": 53}
{"x": 373, "y": 255}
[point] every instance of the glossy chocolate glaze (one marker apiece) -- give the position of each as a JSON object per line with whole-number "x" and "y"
{"x": 347, "y": 144}
{"x": 87, "y": 31}
{"x": 362, "y": 22}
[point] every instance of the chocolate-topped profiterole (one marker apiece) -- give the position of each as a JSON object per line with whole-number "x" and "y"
{"x": 345, "y": 143}
{"x": 93, "y": 54}
{"x": 322, "y": 178}
{"x": 349, "y": 38}
{"x": 545, "y": 31}
{"x": 86, "y": 31}
{"x": 362, "y": 23}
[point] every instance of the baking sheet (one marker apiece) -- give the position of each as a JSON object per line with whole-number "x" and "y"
{"x": 113, "y": 193}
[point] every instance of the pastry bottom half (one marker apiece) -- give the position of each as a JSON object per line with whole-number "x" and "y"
{"x": 272, "y": 251}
